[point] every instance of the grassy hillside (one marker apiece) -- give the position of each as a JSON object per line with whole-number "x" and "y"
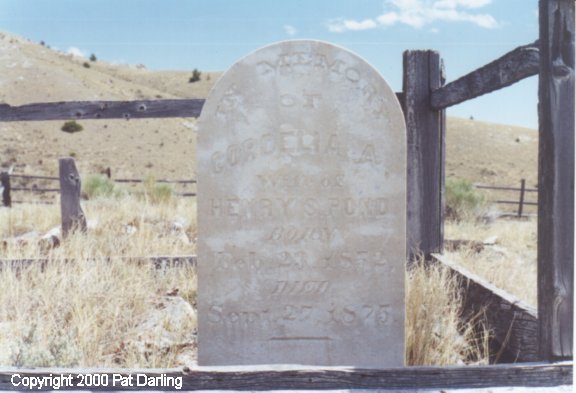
{"x": 491, "y": 153}
{"x": 30, "y": 72}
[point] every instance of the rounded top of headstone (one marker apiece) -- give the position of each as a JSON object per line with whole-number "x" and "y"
{"x": 311, "y": 67}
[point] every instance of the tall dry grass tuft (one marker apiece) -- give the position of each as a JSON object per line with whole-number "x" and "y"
{"x": 435, "y": 333}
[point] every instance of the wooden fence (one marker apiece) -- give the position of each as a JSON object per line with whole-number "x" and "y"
{"x": 6, "y": 180}
{"x": 521, "y": 202}
{"x": 424, "y": 98}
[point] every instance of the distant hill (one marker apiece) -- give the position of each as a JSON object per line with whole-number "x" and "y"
{"x": 490, "y": 153}
{"x": 165, "y": 148}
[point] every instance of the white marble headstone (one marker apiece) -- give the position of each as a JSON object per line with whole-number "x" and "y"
{"x": 301, "y": 212}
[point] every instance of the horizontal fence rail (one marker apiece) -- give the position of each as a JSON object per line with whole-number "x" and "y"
{"x": 7, "y": 188}
{"x": 514, "y": 66}
{"x": 313, "y": 378}
{"x": 520, "y": 202}
{"x": 76, "y": 110}
{"x": 35, "y": 189}
{"x": 156, "y": 181}
{"x": 69, "y": 110}
{"x": 35, "y": 177}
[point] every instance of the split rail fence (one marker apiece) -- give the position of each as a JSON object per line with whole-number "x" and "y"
{"x": 543, "y": 335}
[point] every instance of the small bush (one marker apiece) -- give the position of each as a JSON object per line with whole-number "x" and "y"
{"x": 195, "y": 76}
{"x": 93, "y": 57}
{"x": 157, "y": 193}
{"x": 100, "y": 186}
{"x": 463, "y": 201}
{"x": 71, "y": 127}
{"x": 86, "y": 64}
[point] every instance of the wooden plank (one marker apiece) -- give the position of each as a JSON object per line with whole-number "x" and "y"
{"x": 556, "y": 179}
{"x": 6, "y": 189}
{"x": 75, "y": 110}
{"x": 73, "y": 217}
{"x": 426, "y": 151}
{"x": 298, "y": 378}
{"x": 514, "y": 66}
{"x": 513, "y": 322}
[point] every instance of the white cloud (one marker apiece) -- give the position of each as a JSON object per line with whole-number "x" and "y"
{"x": 290, "y": 30}
{"x": 341, "y": 25}
{"x": 76, "y": 52}
{"x": 419, "y": 13}
{"x": 463, "y": 3}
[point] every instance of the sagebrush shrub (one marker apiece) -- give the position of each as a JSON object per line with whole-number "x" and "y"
{"x": 157, "y": 193}
{"x": 71, "y": 127}
{"x": 100, "y": 186}
{"x": 463, "y": 201}
{"x": 195, "y": 76}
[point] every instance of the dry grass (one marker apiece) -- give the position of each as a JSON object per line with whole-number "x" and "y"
{"x": 435, "y": 333}
{"x": 510, "y": 264}
{"x": 82, "y": 313}
{"x": 87, "y": 321}
{"x": 129, "y": 226}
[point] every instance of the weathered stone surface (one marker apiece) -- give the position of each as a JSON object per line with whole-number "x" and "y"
{"x": 301, "y": 242}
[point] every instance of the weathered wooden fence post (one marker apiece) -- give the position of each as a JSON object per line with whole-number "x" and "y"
{"x": 423, "y": 73}
{"x": 522, "y": 194}
{"x": 556, "y": 180}
{"x": 5, "y": 181}
{"x": 72, "y": 215}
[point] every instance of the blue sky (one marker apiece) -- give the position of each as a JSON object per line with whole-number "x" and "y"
{"x": 212, "y": 34}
